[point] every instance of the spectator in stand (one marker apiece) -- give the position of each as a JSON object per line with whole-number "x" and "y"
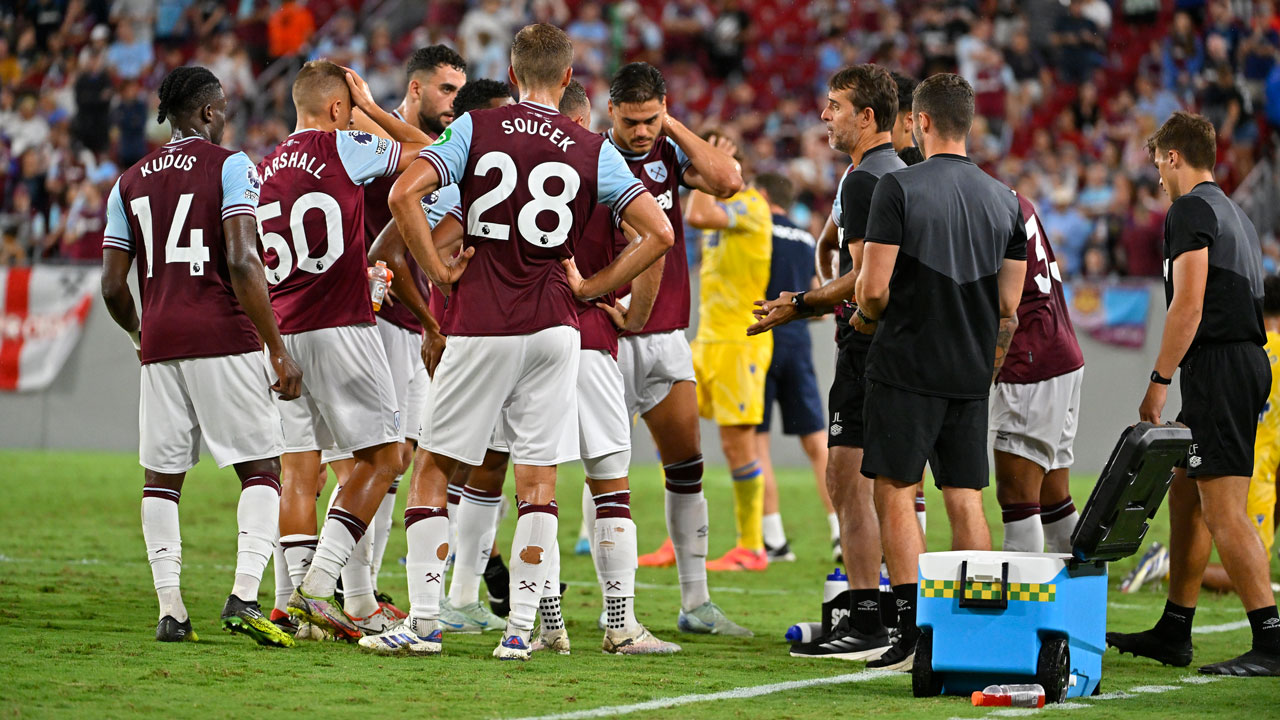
{"x": 1098, "y": 11}
{"x": 485, "y": 36}
{"x": 225, "y": 59}
{"x": 93, "y": 103}
{"x": 129, "y": 57}
{"x": 1079, "y": 44}
{"x": 1259, "y": 50}
{"x": 727, "y": 39}
{"x": 1223, "y": 24}
{"x": 289, "y": 29}
{"x": 129, "y": 118}
{"x": 1085, "y": 110}
{"x": 342, "y": 44}
{"x": 684, "y": 24}
{"x": 590, "y": 36}
{"x": 1155, "y": 101}
{"x": 1066, "y": 228}
{"x": 205, "y": 18}
{"x": 80, "y": 236}
{"x": 10, "y": 68}
{"x": 27, "y": 129}
{"x": 99, "y": 41}
{"x": 1095, "y": 198}
{"x": 1182, "y": 55}
{"x": 141, "y": 14}
{"x": 1027, "y": 67}
{"x": 1143, "y": 238}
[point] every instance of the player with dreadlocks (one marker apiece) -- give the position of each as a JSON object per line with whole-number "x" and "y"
{"x": 206, "y": 317}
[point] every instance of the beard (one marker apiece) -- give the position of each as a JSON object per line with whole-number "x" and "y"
{"x": 433, "y": 124}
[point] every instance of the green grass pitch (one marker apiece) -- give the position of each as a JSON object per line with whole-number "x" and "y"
{"x": 77, "y": 618}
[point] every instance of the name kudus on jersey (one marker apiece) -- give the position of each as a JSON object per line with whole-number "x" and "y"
{"x": 168, "y": 162}
{"x": 539, "y": 128}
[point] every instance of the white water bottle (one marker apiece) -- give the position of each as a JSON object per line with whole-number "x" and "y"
{"x": 835, "y": 599}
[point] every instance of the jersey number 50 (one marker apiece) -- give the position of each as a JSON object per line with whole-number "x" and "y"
{"x": 527, "y": 220}
{"x": 285, "y": 254}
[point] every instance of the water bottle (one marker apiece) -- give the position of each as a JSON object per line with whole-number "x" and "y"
{"x": 379, "y": 280}
{"x": 804, "y": 632}
{"x": 835, "y": 599}
{"x": 1023, "y": 696}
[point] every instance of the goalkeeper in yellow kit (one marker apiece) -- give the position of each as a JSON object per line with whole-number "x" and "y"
{"x": 737, "y": 242}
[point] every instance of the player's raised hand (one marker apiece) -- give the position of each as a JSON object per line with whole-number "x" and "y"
{"x": 432, "y": 350}
{"x": 724, "y": 145}
{"x": 772, "y": 313}
{"x": 361, "y": 96}
{"x": 577, "y": 284}
{"x": 288, "y": 375}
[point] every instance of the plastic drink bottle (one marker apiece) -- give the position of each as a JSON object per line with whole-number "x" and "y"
{"x": 1026, "y": 696}
{"x": 835, "y": 599}
{"x": 804, "y": 632}
{"x": 379, "y": 280}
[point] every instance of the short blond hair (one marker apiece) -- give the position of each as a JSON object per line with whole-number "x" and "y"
{"x": 317, "y": 84}
{"x": 540, "y": 55}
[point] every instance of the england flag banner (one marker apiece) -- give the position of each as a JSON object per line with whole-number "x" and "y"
{"x": 41, "y": 320}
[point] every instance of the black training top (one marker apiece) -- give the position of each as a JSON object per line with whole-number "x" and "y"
{"x": 1206, "y": 217}
{"x": 954, "y": 225}
{"x": 855, "y": 205}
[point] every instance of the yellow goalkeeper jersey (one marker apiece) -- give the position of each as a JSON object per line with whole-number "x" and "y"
{"x": 735, "y": 270}
{"x": 1266, "y": 448}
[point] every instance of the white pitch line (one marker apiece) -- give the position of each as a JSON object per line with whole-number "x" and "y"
{"x": 713, "y": 588}
{"x": 1225, "y": 627}
{"x": 741, "y": 693}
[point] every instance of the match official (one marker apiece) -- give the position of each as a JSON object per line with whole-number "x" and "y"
{"x": 942, "y": 271}
{"x": 1214, "y": 333}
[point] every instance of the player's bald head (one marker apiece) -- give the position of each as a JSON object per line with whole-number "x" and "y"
{"x": 318, "y": 84}
{"x": 541, "y": 54}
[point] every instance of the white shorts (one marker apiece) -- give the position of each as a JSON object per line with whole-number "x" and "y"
{"x": 409, "y": 375}
{"x": 1037, "y": 421}
{"x": 526, "y": 385}
{"x": 224, "y": 400}
{"x": 650, "y": 365}
{"x": 604, "y": 427}
{"x": 348, "y": 400}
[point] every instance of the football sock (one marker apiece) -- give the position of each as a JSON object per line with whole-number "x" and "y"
{"x": 1059, "y": 521}
{"x": 427, "y": 530}
{"x": 864, "y": 611}
{"x": 686, "y": 511}
{"x": 338, "y": 538}
{"x": 477, "y": 521}
{"x": 298, "y": 550}
{"x": 258, "y": 518}
{"x": 905, "y": 597}
{"x": 588, "y": 517}
{"x": 535, "y": 537}
{"x": 453, "y": 496}
{"x": 748, "y": 504}
{"x": 1266, "y": 629}
{"x": 1022, "y": 531}
{"x": 774, "y": 535}
{"x": 164, "y": 547}
{"x": 833, "y": 523}
{"x": 920, "y": 514}
{"x": 615, "y": 556}
{"x": 1175, "y": 622}
{"x": 549, "y": 604}
{"x": 382, "y": 521}
{"x": 357, "y": 580}
{"x": 284, "y": 583}
{"x": 888, "y": 606}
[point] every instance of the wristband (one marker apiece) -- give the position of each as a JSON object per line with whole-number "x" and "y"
{"x": 1160, "y": 380}
{"x": 866, "y": 319}
{"x": 136, "y": 337}
{"x": 797, "y": 301}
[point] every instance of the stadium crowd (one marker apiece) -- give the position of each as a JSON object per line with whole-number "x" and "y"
{"x": 1067, "y": 92}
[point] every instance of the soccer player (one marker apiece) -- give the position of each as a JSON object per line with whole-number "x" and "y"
{"x": 206, "y": 317}
{"x": 656, "y": 363}
{"x": 862, "y": 102}
{"x": 312, "y": 217}
{"x": 1214, "y": 332}
{"x": 791, "y": 379}
{"x": 943, "y": 264}
{"x": 1036, "y": 408}
{"x": 529, "y": 178}
{"x": 729, "y": 365}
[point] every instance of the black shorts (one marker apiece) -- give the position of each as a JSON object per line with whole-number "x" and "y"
{"x": 905, "y": 429}
{"x": 793, "y": 383}
{"x": 848, "y": 395}
{"x": 1224, "y": 388}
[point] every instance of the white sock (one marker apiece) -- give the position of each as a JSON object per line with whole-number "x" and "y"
{"x": 920, "y": 514}
{"x": 427, "y": 530}
{"x": 833, "y": 523}
{"x": 1022, "y": 531}
{"x": 477, "y": 520}
{"x": 774, "y": 535}
{"x": 535, "y": 537}
{"x": 382, "y": 522}
{"x": 588, "y": 516}
{"x": 615, "y": 556}
{"x": 258, "y": 518}
{"x": 1059, "y": 521}
{"x": 298, "y": 550}
{"x": 284, "y": 584}
{"x": 164, "y": 548}
{"x": 549, "y": 603}
{"x": 338, "y": 538}
{"x": 357, "y": 580}
{"x": 687, "y": 524}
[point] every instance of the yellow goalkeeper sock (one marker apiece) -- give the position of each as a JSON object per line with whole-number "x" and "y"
{"x": 748, "y": 505}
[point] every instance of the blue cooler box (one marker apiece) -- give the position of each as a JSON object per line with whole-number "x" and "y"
{"x": 1006, "y": 617}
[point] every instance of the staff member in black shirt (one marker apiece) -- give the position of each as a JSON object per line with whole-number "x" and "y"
{"x": 1214, "y": 333}
{"x": 943, "y": 266}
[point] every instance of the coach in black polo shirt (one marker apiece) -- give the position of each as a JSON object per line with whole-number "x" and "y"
{"x": 942, "y": 271}
{"x": 1214, "y": 333}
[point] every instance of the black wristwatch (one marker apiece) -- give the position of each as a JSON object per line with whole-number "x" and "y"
{"x": 797, "y": 301}
{"x": 1159, "y": 380}
{"x": 866, "y": 319}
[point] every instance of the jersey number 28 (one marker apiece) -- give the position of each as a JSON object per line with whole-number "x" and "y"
{"x": 527, "y": 220}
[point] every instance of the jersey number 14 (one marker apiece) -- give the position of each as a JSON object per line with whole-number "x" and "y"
{"x": 195, "y": 255}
